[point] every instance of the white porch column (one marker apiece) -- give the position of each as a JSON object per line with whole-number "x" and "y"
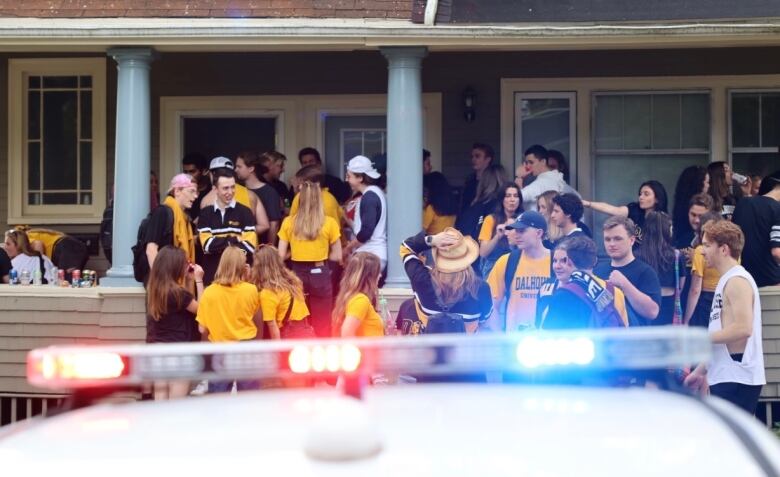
{"x": 404, "y": 153}
{"x": 131, "y": 159}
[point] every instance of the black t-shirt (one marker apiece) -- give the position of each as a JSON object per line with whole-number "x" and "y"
{"x": 470, "y": 220}
{"x": 544, "y": 300}
{"x": 281, "y": 188}
{"x": 194, "y": 211}
{"x": 176, "y": 325}
{"x": 340, "y": 189}
{"x": 637, "y": 215}
{"x": 469, "y": 192}
{"x": 159, "y": 229}
{"x": 567, "y": 311}
{"x": 759, "y": 218}
{"x": 667, "y": 276}
{"x": 5, "y": 265}
{"x": 271, "y": 202}
{"x": 642, "y": 277}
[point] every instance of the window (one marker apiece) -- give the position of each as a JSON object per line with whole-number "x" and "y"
{"x": 57, "y": 140}
{"x": 754, "y": 136}
{"x": 642, "y": 136}
{"x": 369, "y": 142}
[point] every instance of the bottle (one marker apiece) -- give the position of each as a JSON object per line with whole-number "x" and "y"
{"x": 739, "y": 178}
{"x": 387, "y": 317}
{"x": 24, "y": 277}
{"x": 37, "y": 277}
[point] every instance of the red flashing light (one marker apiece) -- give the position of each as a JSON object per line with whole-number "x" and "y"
{"x": 329, "y": 358}
{"x": 78, "y": 366}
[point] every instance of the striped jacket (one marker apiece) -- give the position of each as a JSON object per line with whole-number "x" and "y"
{"x": 217, "y": 232}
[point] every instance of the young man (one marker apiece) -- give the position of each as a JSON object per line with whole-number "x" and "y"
{"x": 736, "y": 371}
{"x": 759, "y": 219}
{"x": 631, "y": 275}
{"x": 566, "y": 214}
{"x": 370, "y": 224}
{"x": 584, "y": 300}
{"x": 249, "y": 171}
{"x": 170, "y": 224}
{"x": 242, "y": 195}
{"x": 308, "y": 156}
{"x": 481, "y": 157}
{"x": 533, "y": 269}
{"x": 197, "y": 166}
{"x": 535, "y": 163}
{"x": 225, "y": 223}
{"x": 274, "y": 163}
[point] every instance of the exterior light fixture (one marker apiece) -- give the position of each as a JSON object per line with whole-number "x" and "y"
{"x": 469, "y": 104}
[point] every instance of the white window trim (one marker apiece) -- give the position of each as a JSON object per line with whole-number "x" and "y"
{"x": 342, "y": 166}
{"x": 301, "y": 120}
{"x": 585, "y": 87}
{"x": 18, "y": 210}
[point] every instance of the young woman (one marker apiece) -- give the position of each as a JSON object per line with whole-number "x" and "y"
{"x": 23, "y": 257}
{"x": 657, "y": 251}
{"x": 492, "y": 241}
{"x": 229, "y": 309}
{"x": 652, "y": 197}
{"x": 485, "y": 202}
{"x": 544, "y": 204}
{"x": 451, "y": 283}
{"x": 704, "y": 280}
{"x": 721, "y": 181}
{"x": 439, "y": 207}
{"x": 693, "y": 180}
{"x": 313, "y": 241}
{"x": 354, "y": 313}
{"x": 172, "y": 308}
{"x": 281, "y": 295}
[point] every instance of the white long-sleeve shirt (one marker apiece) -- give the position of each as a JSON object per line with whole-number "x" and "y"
{"x": 550, "y": 180}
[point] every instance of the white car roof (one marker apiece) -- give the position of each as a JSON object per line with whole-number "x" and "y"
{"x": 423, "y": 429}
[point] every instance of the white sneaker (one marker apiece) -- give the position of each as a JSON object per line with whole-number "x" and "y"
{"x": 200, "y": 389}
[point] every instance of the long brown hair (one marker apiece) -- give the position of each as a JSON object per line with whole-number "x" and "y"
{"x": 719, "y": 189}
{"x": 360, "y": 276}
{"x": 22, "y": 241}
{"x": 269, "y": 272}
{"x": 165, "y": 278}
{"x": 230, "y": 270}
{"x": 310, "y": 218}
{"x": 452, "y": 287}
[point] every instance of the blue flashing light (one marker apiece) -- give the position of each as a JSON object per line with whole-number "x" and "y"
{"x": 534, "y": 352}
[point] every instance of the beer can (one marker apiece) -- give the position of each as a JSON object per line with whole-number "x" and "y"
{"x": 76, "y": 281}
{"x": 60, "y": 275}
{"x": 13, "y": 277}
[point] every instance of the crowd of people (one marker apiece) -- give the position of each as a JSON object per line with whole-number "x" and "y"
{"x": 236, "y": 254}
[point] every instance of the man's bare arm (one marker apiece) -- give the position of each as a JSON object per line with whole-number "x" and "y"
{"x": 737, "y": 313}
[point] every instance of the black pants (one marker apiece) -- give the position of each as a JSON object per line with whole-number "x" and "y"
{"x": 701, "y": 314}
{"x": 741, "y": 395}
{"x": 318, "y": 288}
{"x": 69, "y": 253}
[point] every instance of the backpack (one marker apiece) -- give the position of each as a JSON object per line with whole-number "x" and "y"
{"x": 444, "y": 321}
{"x": 140, "y": 262}
{"x": 601, "y": 300}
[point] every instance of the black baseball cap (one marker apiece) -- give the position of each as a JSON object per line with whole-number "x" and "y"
{"x": 528, "y": 219}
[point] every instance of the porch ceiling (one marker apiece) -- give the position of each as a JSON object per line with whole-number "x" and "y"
{"x": 251, "y": 34}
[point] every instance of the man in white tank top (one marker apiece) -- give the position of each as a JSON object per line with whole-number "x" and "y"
{"x": 370, "y": 224}
{"x": 736, "y": 372}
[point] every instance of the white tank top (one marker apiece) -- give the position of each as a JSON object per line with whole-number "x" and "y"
{"x": 377, "y": 244}
{"x": 723, "y": 369}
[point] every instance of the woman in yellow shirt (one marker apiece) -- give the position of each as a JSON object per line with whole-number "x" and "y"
{"x": 704, "y": 280}
{"x": 313, "y": 241}
{"x": 281, "y": 295}
{"x": 354, "y": 313}
{"x": 492, "y": 241}
{"x": 229, "y": 310}
{"x": 440, "y": 209}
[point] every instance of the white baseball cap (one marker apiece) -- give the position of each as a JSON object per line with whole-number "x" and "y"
{"x": 221, "y": 161}
{"x": 363, "y": 165}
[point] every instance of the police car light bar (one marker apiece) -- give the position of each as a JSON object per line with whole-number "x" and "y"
{"x": 82, "y": 367}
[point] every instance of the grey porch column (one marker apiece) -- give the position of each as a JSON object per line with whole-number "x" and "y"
{"x": 404, "y": 153}
{"x": 131, "y": 159}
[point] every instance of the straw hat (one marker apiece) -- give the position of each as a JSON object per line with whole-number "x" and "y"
{"x": 459, "y": 256}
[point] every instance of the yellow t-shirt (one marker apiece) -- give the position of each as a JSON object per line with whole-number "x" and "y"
{"x": 434, "y": 223}
{"x": 275, "y": 303}
{"x": 310, "y": 250}
{"x": 710, "y": 276}
{"x": 620, "y": 300}
{"x": 48, "y": 237}
{"x": 242, "y": 197}
{"x": 329, "y": 204}
{"x": 228, "y": 311}
{"x": 486, "y": 232}
{"x": 529, "y": 277}
{"x": 359, "y": 306}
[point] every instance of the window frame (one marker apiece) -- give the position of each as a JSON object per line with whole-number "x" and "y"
{"x": 19, "y": 210}
{"x": 730, "y": 132}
